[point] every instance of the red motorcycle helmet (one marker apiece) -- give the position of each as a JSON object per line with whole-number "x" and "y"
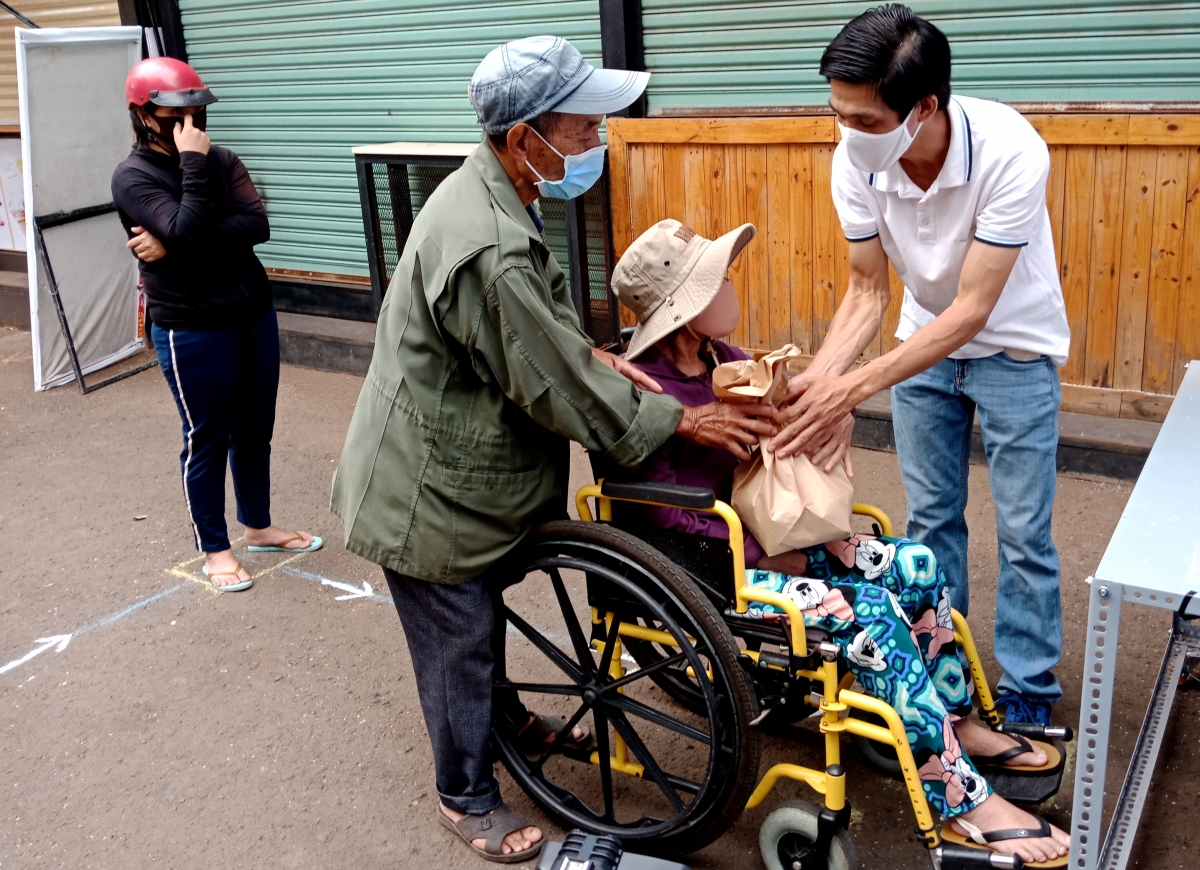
{"x": 165, "y": 81}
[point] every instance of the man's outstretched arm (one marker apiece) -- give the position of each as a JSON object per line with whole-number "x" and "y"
{"x": 819, "y": 400}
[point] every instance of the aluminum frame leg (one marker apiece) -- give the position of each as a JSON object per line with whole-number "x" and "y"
{"x": 1095, "y": 721}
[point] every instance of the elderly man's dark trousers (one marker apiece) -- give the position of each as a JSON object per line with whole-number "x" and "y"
{"x": 449, "y": 633}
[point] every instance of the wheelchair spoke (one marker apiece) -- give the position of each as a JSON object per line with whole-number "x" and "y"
{"x": 610, "y": 643}
{"x": 548, "y": 649}
{"x": 625, "y": 729}
{"x": 559, "y": 738}
{"x": 637, "y": 708}
{"x": 605, "y": 759}
{"x": 541, "y": 688}
{"x": 681, "y": 784}
{"x": 644, "y": 672}
{"x": 582, "y": 651}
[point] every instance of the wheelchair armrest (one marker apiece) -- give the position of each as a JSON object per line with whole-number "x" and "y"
{"x": 673, "y": 494}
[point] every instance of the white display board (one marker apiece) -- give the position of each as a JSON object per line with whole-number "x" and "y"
{"x": 74, "y": 131}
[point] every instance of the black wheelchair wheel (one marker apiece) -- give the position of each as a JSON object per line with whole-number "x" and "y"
{"x": 672, "y": 679}
{"x": 697, "y": 769}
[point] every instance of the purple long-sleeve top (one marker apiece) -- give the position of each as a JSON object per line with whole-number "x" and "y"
{"x": 685, "y": 462}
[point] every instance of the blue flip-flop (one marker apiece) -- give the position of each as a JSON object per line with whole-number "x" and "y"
{"x": 231, "y": 587}
{"x": 283, "y": 548}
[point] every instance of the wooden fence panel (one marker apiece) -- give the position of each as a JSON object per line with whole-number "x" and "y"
{"x": 1074, "y": 263}
{"x": 1107, "y": 202}
{"x": 1123, "y": 200}
{"x": 1187, "y": 323}
{"x": 801, "y": 193}
{"x": 735, "y": 171}
{"x": 1170, "y": 201}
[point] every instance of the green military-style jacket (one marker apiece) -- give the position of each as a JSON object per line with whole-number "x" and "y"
{"x": 480, "y": 377}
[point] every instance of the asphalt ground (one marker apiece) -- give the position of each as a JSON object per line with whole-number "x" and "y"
{"x": 280, "y": 727}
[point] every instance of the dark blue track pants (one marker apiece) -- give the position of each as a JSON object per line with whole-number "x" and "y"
{"x": 224, "y": 382}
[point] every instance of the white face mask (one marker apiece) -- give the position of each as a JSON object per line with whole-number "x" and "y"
{"x": 878, "y": 152}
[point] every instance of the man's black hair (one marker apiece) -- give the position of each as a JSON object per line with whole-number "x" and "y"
{"x": 904, "y": 57}
{"x": 545, "y": 123}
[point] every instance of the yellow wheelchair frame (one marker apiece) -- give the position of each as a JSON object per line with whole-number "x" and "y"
{"x": 837, "y": 698}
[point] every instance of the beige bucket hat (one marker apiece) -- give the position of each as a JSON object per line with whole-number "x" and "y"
{"x": 670, "y": 274}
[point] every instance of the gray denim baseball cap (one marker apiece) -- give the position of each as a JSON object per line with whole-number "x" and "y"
{"x": 526, "y": 77}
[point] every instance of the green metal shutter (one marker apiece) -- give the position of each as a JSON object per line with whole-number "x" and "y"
{"x": 301, "y": 83}
{"x": 716, "y": 53}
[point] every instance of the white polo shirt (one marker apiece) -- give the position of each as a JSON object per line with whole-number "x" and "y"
{"x": 991, "y": 188}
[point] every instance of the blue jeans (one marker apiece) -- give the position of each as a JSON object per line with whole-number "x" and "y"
{"x": 1018, "y": 402}
{"x": 224, "y": 382}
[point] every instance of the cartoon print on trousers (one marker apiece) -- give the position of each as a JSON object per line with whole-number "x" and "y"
{"x": 962, "y": 784}
{"x": 864, "y": 652}
{"x": 938, "y": 624}
{"x": 866, "y": 553}
{"x": 817, "y": 599}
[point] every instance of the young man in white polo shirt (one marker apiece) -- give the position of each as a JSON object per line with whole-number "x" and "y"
{"x": 950, "y": 191}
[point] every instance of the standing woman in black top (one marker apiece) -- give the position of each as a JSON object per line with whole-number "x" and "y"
{"x": 194, "y": 217}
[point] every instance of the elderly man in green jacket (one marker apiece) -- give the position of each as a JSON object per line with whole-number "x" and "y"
{"x": 480, "y": 378}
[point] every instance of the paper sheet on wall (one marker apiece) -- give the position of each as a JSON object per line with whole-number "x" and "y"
{"x": 12, "y": 196}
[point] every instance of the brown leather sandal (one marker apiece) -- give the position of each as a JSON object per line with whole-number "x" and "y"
{"x": 493, "y": 827}
{"x": 534, "y": 740}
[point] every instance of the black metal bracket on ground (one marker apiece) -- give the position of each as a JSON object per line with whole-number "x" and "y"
{"x": 57, "y": 219}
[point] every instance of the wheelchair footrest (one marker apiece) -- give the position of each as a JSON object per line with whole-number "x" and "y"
{"x": 1025, "y": 789}
{"x": 950, "y": 856}
{"x": 1034, "y": 731}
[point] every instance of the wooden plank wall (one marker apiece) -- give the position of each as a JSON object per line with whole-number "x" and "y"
{"x": 1124, "y": 203}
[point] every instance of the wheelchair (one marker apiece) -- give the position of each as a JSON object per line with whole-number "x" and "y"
{"x": 642, "y": 617}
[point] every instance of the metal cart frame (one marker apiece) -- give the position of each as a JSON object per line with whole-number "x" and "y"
{"x": 1161, "y": 518}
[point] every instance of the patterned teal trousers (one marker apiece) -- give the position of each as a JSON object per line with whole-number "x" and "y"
{"x": 885, "y": 602}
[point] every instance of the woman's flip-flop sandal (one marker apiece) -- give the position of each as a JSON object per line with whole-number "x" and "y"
{"x": 981, "y": 838}
{"x": 999, "y": 761}
{"x": 538, "y": 735}
{"x": 230, "y": 587}
{"x": 284, "y": 548}
{"x": 493, "y": 827}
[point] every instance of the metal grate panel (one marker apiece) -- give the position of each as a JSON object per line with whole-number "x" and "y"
{"x": 395, "y": 191}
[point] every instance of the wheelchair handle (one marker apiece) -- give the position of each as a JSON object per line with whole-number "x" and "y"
{"x": 950, "y": 856}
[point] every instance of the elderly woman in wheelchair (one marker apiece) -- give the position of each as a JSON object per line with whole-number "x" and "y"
{"x": 742, "y": 639}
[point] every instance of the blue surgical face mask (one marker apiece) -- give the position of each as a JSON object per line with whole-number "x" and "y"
{"x": 580, "y": 172}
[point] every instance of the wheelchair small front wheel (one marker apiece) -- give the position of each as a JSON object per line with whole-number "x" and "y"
{"x": 789, "y": 835}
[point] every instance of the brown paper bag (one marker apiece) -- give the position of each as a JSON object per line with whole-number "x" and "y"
{"x": 786, "y": 503}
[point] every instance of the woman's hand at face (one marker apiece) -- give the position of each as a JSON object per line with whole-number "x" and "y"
{"x": 146, "y": 246}
{"x": 733, "y": 427}
{"x": 189, "y": 137}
